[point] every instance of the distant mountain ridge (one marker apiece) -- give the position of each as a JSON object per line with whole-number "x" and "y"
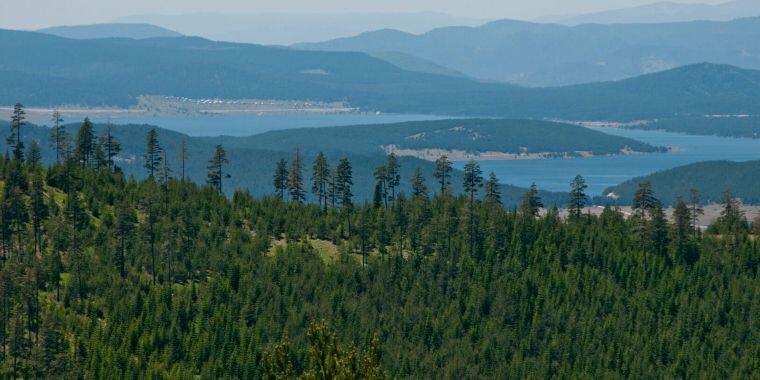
{"x": 666, "y": 11}
{"x": 551, "y": 55}
{"x": 289, "y": 28}
{"x": 93, "y": 31}
{"x": 55, "y": 71}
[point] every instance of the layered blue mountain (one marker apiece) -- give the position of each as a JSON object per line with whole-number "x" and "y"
{"x": 551, "y": 54}
{"x": 665, "y": 11}
{"x": 49, "y": 70}
{"x": 116, "y": 30}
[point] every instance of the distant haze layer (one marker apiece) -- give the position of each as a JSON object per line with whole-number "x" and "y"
{"x": 289, "y": 28}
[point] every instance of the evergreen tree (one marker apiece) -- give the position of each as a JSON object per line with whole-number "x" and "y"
{"x": 182, "y": 158}
{"x": 14, "y": 209}
{"x": 731, "y": 220}
{"x": 658, "y": 229}
{"x": 377, "y": 195}
{"x": 343, "y": 183}
{"x": 124, "y": 225}
{"x": 392, "y": 175}
{"x": 99, "y": 159}
{"x": 578, "y": 198}
{"x": 419, "y": 185}
{"x": 59, "y": 137}
{"x": 33, "y": 156}
{"x": 216, "y": 172}
{"x": 319, "y": 179}
{"x": 14, "y": 139}
{"x": 280, "y": 179}
{"x": 443, "y": 169}
{"x": 493, "y": 190}
{"x": 110, "y": 146}
{"x": 473, "y": 180}
{"x": 295, "y": 178}
{"x": 85, "y": 144}
{"x": 644, "y": 200}
{"x": 153, "y": 153}
{"x": 381, "y": 183}
{"x": 696, "y": 209}
{"x": 681, "y": 231}
{"x": 38, "y": 208}
{"x": 530, "y": 203}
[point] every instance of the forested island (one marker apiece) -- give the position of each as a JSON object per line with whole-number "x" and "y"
{"x": 103, "y": 275}
{"x": 711, "y": 179}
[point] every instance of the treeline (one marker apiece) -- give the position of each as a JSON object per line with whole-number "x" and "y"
{"x": 105, "y": 276}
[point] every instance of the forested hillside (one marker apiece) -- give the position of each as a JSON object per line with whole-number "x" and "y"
{"x": 717, "y": 125}
{"x": 469, "y": 135}
{"x": 102, "y": 276}
{"x": 252, "y": 159}
{"x": 711, "y": 179}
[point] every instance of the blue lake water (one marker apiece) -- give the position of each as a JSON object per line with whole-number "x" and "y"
{"x": 602, "y": 172}
{"x": 553, "y": 175}
{"x": 246, "y": 125}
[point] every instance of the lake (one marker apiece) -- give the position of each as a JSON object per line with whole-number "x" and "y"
{"x": 246, "y": 125}
{"x": 602, "y": 172}
{"x": 553, "y": 175}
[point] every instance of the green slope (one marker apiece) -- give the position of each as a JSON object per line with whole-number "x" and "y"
{"x": 252, "y": 160}
{"x": 470, "y": 135}
{"x": 711, "y": 179}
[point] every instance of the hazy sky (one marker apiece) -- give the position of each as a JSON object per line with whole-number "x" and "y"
{"x": 30, "y": 14}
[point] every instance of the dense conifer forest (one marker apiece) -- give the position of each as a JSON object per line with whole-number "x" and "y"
{"x": 105, "y": 276}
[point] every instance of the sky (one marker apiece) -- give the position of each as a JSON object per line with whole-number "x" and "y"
{"x": 32, "y": 14}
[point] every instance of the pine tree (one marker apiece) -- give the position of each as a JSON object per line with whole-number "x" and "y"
{"x": 319, "y": 179}
{"x": 392, "y": 175}
{"x": 124, "y": 225}
{"x": 643, "y": 200}
{"x": 14, "y": 209}
{"x": 658, "y": 229}
{"x": 33, "y": 156}
{"x": 280, "y": 179}
{"x": 152, "y": 156}
{"x": 377, "y": 195}
{"x": 696, "y": 209}
{"x": 578, "y": 198}
{"x": 216, "y": 172}
{"x": 493, "y": 190}
{"x": 443, "y": 169}
{"x": 419, "y": 185}
{"x": 731, "y": 220}
{"x": 644, "y": 207}
{"x": 38, "y": 208}
{"x": 85, "y": 144}
{"x": 681, "y": 230}
{"x": 110, "y": 146}
{"x": 59, "y": 137}
{"x": 381, "y": 183}
{"x": 99, "y": 159}
{"x": 295, "y": 178}
{"x": 473, "y": 180}
{"x": 530, "y": 203}
{"x": 343, "y": 183}
{"x": 14, "y": 139}
{"x": 182, "y": 158}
